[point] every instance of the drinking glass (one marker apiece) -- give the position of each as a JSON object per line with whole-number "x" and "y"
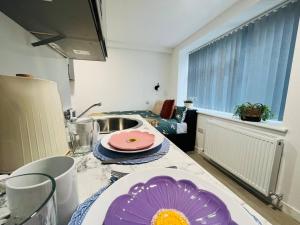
{"x": 83, "y": 134}
{"x": 28, "y": 199}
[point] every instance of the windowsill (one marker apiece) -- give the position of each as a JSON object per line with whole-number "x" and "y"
{"x": 270, "y": 124}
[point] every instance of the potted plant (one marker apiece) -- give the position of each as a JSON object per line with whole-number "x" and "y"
{"x": 188, "y": 104}
{"x": 253, "y": 112}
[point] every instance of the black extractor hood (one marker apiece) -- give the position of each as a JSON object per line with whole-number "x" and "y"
{"x": 72, "y": 27}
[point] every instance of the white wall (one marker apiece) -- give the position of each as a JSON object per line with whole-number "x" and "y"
{"x": 289, "y": 180}
{"x": 18, "y": 56}
{"x": 124, "y": 82}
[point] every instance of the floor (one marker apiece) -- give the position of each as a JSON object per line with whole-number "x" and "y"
{"x": 275, "y": 217}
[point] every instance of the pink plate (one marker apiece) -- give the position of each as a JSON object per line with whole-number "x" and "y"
{"x": 131, "y": 140}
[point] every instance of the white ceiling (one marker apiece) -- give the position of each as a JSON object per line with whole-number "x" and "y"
{"x": 159, "y": 23}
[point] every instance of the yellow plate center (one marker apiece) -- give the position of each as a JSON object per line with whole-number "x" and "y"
{"x": 130, "y": 140}
{"x": 169, "y": 216}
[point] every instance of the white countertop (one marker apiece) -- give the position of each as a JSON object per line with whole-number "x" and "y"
{"x": 92, "y": 175}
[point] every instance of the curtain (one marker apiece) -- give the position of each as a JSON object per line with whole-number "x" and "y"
{"x": 250, "y": 65}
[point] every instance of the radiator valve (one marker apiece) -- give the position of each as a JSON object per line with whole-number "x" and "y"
{"x": 276, "y": 200}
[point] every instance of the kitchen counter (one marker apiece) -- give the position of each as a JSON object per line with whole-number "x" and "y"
{"x": 92, "y": 175}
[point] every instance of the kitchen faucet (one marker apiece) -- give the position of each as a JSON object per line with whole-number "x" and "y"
{"x": 92, "y": 106}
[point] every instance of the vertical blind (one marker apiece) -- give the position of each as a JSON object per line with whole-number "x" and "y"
{"x": 250, "y": 65}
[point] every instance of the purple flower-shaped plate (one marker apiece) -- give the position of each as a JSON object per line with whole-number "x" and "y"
{"x": 164, "y": 201}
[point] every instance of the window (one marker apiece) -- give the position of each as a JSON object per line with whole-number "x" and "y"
{"x": 250, "y": 65}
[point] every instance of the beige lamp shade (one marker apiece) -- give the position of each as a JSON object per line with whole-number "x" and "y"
{"x": 31, "y": 121}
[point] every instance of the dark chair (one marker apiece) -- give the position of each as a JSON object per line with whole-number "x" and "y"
{"x": 186, "y": 142}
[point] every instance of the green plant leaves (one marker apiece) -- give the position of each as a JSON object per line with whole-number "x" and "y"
{"x": 246, "y": 108}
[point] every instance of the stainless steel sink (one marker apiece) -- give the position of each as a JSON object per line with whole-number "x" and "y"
{"x": 111, "y": 124}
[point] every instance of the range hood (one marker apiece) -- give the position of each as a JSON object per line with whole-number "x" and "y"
{"x": 72, "y": 27}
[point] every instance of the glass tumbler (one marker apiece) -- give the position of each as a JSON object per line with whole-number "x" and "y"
{"x": 82, "y": 135}
{"x": 28, "y": 199}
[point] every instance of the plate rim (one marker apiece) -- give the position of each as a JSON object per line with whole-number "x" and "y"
{"x": 105, "y": 139}
{"x": 123, "y": 185}
{"x": 147, "y": 136}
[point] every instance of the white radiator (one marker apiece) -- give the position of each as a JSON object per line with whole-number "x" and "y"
{"x": 251, "y": 155}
